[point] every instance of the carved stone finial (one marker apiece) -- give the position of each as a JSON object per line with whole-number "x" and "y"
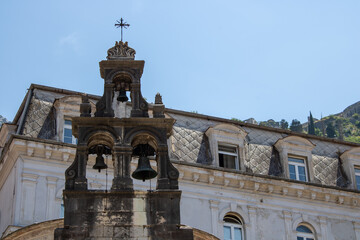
{"x": 121, "y": 51}
{"x": 85, "y": 106}
{"x": 158, "y": 107}
{"x": 158, "y": 99}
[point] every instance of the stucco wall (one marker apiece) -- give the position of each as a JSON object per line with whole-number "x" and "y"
{"x": 7, "y": 196}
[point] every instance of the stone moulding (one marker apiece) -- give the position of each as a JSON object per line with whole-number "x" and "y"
{"x": 207, "y": 175}
{"x": 273, "y": 186}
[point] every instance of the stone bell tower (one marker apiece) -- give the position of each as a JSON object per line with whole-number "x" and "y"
{"x": 122, "y": 213}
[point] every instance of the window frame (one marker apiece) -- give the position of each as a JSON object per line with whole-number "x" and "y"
{"x": 232, "y": 226}
{"x": 236, "y": 154}
{"x": 232, "y": 229}
{"x": 297, "y": 165}
{"x": 306, "y": 236}
{"x": 67, "y": 126}
{"x": 298, "y": 147}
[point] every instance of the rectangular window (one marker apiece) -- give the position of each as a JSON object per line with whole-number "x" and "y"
{"x": 297, "y": 169}
{"x": 68, "y": 137}
{"x": 357, "y": 177}
{"x": 228, "y": 156}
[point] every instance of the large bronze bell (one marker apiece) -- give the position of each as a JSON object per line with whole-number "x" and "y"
{"x": 122, "y": 96}
{"x": 100, "y": 163}
{"x": 144, "y": 170}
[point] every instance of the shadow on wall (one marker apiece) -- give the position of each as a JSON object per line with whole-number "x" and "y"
{"x": 204, "y": 155}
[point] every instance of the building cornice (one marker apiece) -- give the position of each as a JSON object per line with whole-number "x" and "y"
{"x": 269, "y": 185}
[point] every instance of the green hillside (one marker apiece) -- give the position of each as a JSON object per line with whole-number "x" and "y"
{"x": 343, "y": 126}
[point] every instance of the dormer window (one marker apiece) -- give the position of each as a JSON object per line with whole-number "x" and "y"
{"x": 297, "y": 169}
{"x": 228, "y": 156}
{"x": 351, "y": 163}
{"x": 65, "y": 108}
{"x": 227, "y": 143}
{"x": 296, "y": 158}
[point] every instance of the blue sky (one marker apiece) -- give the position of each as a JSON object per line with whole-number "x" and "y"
{"x": 262, "y": 59}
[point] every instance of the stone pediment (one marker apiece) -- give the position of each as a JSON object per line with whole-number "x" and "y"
{"x": 299, "y": 142}
{"x": 227, "y": 128}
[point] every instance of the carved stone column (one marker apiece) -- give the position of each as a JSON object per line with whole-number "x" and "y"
{"x": 122, "y": 159}
{"x": 287, "y": 223}
{"x": 51, "y": 192}
{"x": 163, "y": 181}
{"x": 109, "y": 112}
{"x": 82, "y": 156}
{"x": 214, "y": 208}
{"x": 252, "y": 216}
{"x": 135, "y": 99}
{"x": 323, "y": 227}
{"x": 28, "y": 198}
{"x": 357, "y": 229}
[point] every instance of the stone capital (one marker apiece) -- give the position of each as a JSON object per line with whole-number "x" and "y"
{"x": 51, "y": 180}
{"x": 29, "y": 177}
{"x": 214, "y": 203}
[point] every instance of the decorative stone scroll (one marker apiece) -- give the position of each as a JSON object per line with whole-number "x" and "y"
{"x": 121, "y": 51}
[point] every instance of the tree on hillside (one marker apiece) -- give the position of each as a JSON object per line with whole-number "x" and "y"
{"x": 3, "y": 120}
{"x": 311, "y": 127}
{"x": 284, "y": 124}
{"x": 339, "y": 126}
{"x": 296, "y": 126}
{"x": 330, "y": 130}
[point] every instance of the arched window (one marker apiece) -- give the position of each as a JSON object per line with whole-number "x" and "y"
{"x": 304, "y": 233}
{"x": 233, "y": 227}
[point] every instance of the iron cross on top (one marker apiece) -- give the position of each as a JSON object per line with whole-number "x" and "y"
{"x": 121, "y": 24}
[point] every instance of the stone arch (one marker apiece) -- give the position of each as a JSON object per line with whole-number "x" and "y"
{"x": 101, "y": 138}
{"x": 107, "y": 132}
{"x": 120, "y": 74}
{"x": 149, "y": 131}
{"x": 145, "y": 138}
{"x": 237, "y": 210}
{"x": 313, "y": 225}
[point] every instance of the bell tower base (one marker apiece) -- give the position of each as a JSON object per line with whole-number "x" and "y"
{"x": 122, "y": 215}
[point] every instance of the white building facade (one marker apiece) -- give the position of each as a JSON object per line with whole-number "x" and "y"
{"x": 238, "y": 180}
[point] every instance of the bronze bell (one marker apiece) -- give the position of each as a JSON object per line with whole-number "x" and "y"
{"x": 122, "y": 96}
{"x": 99, "y": 164}
{"x": 144, "y": 170}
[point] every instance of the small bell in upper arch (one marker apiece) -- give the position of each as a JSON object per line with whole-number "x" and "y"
{"x": 122, "y": 96}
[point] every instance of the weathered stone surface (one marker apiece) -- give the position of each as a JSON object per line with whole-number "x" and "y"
{"x": 122, "y": 215}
